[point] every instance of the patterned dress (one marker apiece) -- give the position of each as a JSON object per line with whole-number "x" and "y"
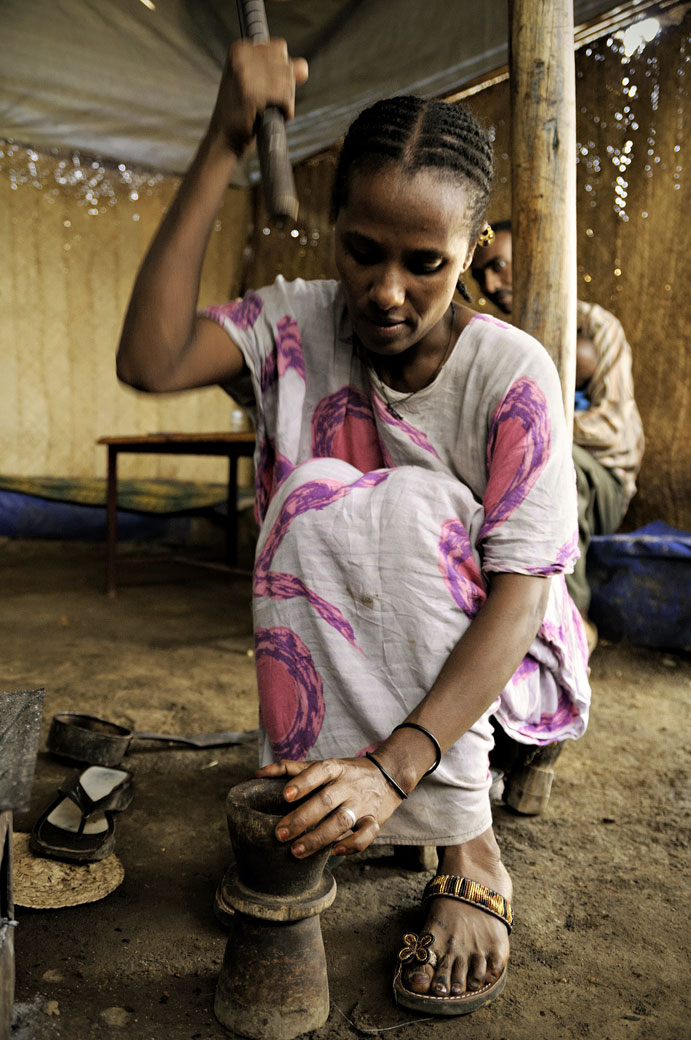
{"x": 377, "y": 533}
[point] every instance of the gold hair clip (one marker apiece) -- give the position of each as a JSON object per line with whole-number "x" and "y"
{"x": 486, "y": 236}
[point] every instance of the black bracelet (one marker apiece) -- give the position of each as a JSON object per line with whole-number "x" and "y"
{"x": 437, "y": 748}
{"x": 397, "y": 788}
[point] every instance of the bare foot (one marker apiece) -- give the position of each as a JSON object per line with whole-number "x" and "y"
{"x": 472, "y": 946}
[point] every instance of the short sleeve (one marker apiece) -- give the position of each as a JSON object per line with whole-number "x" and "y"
{"x": 276, "y": 328}
{"x": 271, "y": 327}
{"x": 530, "y": 500}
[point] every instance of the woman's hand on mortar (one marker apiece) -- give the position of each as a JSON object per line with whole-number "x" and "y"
{"x": 348, "y": 794}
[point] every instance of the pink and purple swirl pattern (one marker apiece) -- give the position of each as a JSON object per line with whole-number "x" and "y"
{"x": 458, "y": 568}
{"x": 567, "y": 553}
{"x": 517, "y": 451}
{"x": 292, "y": 701}
{"x": 272, "y": 469}
{"x": 528, "y": 666}
{"x": 416, "y": 436}
{"x": 557, "y": 721}
{"x": 490, "y": 319}
{"x": 289, "y": 347}
{"x": 312, "y": 495}
{"x": 243, "y": 313}
{"x": 343, "y": 427}
{"x": 287, "y": 353}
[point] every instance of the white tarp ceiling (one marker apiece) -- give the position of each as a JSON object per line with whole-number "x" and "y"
{"x": 133, "y": 82}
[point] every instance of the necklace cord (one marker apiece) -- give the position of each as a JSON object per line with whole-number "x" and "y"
{"x": 389, "y": 403}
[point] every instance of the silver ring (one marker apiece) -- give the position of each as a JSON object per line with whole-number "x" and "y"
{"x": 351, "y": 816}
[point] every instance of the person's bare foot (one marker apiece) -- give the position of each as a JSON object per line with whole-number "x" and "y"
{"x": 472, "y": 946}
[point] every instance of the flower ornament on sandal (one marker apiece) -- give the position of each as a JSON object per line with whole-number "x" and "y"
{"x": 417, "y": 948}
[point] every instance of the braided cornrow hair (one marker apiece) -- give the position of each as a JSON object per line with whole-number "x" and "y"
{"x": 415, "y": 134}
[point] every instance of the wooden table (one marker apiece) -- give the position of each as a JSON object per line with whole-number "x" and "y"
{"x": 233, "y": 445}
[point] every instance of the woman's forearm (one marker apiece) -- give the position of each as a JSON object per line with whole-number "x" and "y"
{"x": 473, "y": 675}
{"x": 164, "y": 346}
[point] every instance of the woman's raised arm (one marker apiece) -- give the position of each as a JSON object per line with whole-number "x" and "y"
{"x": 164, "y": 345}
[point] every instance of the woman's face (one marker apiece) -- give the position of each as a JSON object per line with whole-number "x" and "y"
{"x": 402, "y": 242}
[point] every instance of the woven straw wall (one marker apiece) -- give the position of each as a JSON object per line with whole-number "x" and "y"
{"x": 305, "y": 251}
{"x": 634, "y": 235}
{"x": 74, "y": 234}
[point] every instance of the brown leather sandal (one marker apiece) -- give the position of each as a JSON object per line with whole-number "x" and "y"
{"x": 419, "y": 948}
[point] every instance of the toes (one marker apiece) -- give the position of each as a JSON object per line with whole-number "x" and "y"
{"x": 441, "y": 983}
{"x": 477, "y": 973}
{"x": 495, "y": 966}
{"x": 418, "y": 979}
{"x": 459, "y": 978}
{"x": 454, "y": 976}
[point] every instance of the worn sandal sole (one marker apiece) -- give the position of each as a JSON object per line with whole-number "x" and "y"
{"x": 65, "y": 832}
{"x": 96, "y": 841}
{"x": 431, "y": 1005}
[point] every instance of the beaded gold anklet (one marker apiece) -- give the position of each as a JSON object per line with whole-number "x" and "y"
{"x": 470, "y": 892}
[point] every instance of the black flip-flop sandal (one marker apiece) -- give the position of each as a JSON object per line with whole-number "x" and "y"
{"x": 418, "y": 948}
{"x": 78, "y": 825}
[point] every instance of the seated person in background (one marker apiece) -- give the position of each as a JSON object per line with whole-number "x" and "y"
{"x": 586, "y": 363}
{"x": 608, "y": 437}
{"x": 491, "y": 267}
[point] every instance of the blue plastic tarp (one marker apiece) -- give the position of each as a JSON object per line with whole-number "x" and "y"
{"x": 641, "y": 586}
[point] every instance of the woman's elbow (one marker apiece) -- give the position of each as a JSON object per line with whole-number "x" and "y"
{"x": 522, "y": 597}
{"x": 137, "y": 374}
{"x": 128, "y": 374}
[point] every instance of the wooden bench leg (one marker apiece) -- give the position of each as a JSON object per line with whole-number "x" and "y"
{"x": 111, "y": 520}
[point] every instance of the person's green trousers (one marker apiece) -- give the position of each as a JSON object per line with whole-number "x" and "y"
{"x": 601, "y": 508}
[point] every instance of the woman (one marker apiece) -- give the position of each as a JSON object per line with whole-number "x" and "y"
{"x": 415, "y": 495}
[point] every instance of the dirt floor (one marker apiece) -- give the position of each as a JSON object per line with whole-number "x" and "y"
{"x": 601, "y": 880}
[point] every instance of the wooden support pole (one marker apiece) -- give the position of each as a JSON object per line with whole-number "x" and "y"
{"x": 543, "y": 179}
